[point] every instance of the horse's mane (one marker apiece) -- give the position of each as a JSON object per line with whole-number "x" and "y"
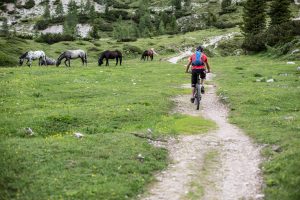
{"x": 60, "y": 56}
{"x": 24, "y": 55}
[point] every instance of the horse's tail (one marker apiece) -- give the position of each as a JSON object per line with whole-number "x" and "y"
{"x": 85, "y": 58}
{"x": 120, "y": 58}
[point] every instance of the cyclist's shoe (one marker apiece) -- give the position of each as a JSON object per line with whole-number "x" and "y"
{"x": 192, "y": 100}
{"x": 202, "y": 90}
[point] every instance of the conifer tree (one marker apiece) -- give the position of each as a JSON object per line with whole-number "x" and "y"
{"x": 280, "y": 12}
{"x": 177, "y": 4}
{"x": 5, "y": 30}
{"x": 280, "y": 29}
{"x": 87, "y": 7}
{"x": 71, "y": 19}
{"x": 47, "y": 14}
{"x": 59, "y": 9}
{"x": 254, "y": 18}
{"x": 161, "y": 28}
{"x": 187, "y": 3}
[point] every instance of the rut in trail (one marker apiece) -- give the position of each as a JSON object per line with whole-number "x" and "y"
{"x": 236, "y": 174}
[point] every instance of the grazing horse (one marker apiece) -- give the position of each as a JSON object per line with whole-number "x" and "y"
{"x": 49, "y": 61}
{"x": 110, "y": 55}
{"x": 72, "y": 54}
{"x": 147, "y": 54}
{"x": 32, "y": 55}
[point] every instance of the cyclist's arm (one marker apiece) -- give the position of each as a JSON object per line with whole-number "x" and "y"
{"x": 207, "y": 67}
{"x": 188, "y": 66}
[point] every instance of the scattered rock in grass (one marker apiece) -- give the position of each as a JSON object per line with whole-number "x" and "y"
{"x": 270, "y": 80}
{"x": 298, "y": 68}
{"x": 276, "y": 148}
{"x": 290, "y": 63}
{"x": 149, "y": 131}
{"x": 260, "y": 197}
{"x": 29, "y": 131}
{"x": 277, "y": 108}
{"x": 140, "y": 157}
{"x": 261, "y": 80}
{"x": 78, "y": 135}
{"x": 284, "y": 74}
{"x": 289, "y": 118}
{"x": 295, "y": 51}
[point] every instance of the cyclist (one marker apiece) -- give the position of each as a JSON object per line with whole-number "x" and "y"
{"x": 198, "y": 67}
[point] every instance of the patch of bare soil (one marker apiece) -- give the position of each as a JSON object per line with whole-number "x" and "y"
{"x": 235, "y": 174}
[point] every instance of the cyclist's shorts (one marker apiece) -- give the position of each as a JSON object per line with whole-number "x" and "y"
{"x": 195, "y": 72}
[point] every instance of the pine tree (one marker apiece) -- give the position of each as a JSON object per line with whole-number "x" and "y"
{"x": 47, "y": 14}
{"x": 5, "y": 29}
{"x": 59, "y": 9}
{"x": 279, "y": 12}
{"x": 173, "y": 24}
{"x": 71, "y": 19}
{"x": 161, "y": 29}
{"x": 280, "y": 29}
{"x": 254, "y": 18}
{"x": 92, "y": 13}
{"x": 225, "y": 4}
{"x": 87, "y": 7}
{"x": 187, "y": 3}
{"x": 177, "y": 4}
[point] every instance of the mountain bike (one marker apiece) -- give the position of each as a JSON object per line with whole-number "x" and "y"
{"x": 197, "y": 94}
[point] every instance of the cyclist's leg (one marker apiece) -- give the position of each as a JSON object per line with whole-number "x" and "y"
{"x": 193, "y": 82}
{"x": 203, "y": 77}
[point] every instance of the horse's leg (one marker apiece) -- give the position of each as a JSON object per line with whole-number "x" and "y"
{"x": 30, "y": 62}
{"x": 82, "y": 60}
{"x": 27, "y": 62}
{"x": 120, "y": 60}
{"x": 117, "y": 60}
{"x": 69, "y": 62}
{"x": 66, "y": 63}
{"x": 107, "y": 63}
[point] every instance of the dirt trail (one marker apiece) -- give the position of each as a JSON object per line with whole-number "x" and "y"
{"x": 236, "y": 173}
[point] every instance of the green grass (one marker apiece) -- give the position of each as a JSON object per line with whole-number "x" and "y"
{"x": 268, "y": 112}
{"x": 106, "y": 104}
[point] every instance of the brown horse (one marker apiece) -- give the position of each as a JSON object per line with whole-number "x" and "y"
{"x": 147, "y": 54}
{"x": 110, "y": 55}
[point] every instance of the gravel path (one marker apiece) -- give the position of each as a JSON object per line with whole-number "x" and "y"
{"x": 236, "y": 174}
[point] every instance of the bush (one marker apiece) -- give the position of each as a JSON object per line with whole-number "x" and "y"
{"x": 50, "y": 38}
{"x": 6, "y": 60}
{"x": 29, "y": 4}
{"x": 41, "y": 24}
{"x": 229, "y": 47}
{"x": 254, "y": 42}
{"x": 132, "y": 49}
{"x": 223, "y": 25}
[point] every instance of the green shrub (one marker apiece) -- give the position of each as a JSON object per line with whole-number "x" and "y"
{"x": 41, "y": 24}
{"x": 7, "y": 60}
{"x": 132, "y": 49}
{"x": 51, "y": 38}
{"x": 29, "y": 4}
{"x": 228, "y": 47}
{"x": 224, "y": 25}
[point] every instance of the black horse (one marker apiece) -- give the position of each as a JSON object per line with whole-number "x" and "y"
{"x": 147, "y": 54}
{"x": 110, "y": 55}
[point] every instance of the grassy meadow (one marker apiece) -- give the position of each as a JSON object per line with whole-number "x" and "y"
{"x": 269, "y": 112}
{"x": 107, "y": 105}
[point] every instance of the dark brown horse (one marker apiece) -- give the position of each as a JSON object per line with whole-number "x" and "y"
{"x": 147, "y": 54}
{"x": 110, "y": 55}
